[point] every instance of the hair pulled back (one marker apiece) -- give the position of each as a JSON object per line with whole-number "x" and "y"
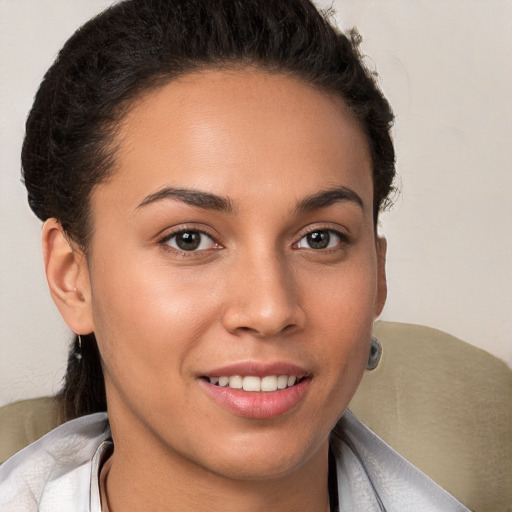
{"x": 137, "y": 45}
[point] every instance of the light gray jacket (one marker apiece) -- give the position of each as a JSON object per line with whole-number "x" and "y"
{"x": 59, "y": 472}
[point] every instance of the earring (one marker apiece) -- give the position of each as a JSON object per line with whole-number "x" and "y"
{"x": 374, "y": 355}
{"x": 78, "y": 353}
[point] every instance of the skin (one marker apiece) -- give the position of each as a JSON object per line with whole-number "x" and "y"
{"x": 254, "y": 291}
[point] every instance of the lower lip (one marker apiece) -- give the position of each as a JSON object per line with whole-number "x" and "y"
{"x": 258, "y": 405}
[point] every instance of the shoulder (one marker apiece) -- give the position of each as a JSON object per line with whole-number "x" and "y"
{"x": 374, "y": 477}
{"x": 54, "y": 473}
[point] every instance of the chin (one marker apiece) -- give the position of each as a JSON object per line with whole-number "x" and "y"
{"x": 262, "y": 457}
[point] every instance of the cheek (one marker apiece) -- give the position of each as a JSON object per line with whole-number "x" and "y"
{"x": 140, "y": 311}
{"x": 343, "y": 317}
{"x": 344, "y": 298}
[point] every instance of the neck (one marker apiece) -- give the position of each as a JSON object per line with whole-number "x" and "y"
{"x": 144, "y": 476}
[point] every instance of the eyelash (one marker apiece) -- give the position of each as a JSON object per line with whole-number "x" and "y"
{"x": 343, "y": 239}
{"x": 164, "y": 242}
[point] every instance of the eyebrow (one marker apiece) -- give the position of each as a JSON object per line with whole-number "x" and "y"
{"x": 208, "y": 201}
{"x": 191, "y": 197}
{"x": 328, "y": 197}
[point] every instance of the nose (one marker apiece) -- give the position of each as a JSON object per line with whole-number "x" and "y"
{"x": 263, "y": 298}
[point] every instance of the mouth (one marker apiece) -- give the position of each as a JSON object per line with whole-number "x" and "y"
{"x": 253, "y": 383}
{"x": 256, "y": 390}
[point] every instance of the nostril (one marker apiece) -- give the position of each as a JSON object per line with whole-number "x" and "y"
{"x": 267, "y": 331}
{"x": 263, "y": 315}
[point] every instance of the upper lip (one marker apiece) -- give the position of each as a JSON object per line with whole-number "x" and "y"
{"x": 257, "y": 369}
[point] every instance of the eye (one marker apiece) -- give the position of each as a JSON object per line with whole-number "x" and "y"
{"x": 190, "y": 240}
{"x": 320, "y": 239}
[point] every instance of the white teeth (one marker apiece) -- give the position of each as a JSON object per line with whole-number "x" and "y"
{"x": 251, "y": 383}
{"x": 235, "y": 382}
{"x": 269, "y": 383}
{"x": 282, "y": 381}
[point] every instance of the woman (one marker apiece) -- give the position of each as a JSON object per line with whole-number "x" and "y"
{"x": 210, "y": 174}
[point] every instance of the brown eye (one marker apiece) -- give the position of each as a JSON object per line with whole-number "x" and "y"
{"x": 191, "y": 241}
{"x": 320, "y": 239}
{"x": 188, "y": 241}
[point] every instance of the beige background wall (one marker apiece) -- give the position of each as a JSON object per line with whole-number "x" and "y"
{"x": 444, "y": 65}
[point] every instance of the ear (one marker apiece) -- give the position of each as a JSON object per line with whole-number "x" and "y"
{"x": 68, "y": 278}
{"x": 382, "y": 286}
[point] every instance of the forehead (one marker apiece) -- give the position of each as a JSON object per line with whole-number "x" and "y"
{"x": 245, "y": 132}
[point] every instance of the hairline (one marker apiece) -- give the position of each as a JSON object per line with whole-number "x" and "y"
{"x": 152, "y": 84}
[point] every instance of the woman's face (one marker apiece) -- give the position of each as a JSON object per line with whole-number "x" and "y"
{"x": 234, "y": 241}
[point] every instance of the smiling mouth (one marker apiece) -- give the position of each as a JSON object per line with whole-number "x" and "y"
{"x": 266, "y": 384}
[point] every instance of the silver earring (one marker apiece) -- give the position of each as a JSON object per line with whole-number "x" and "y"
{"x": 79, "y": 352}
{"x": 374, "y": 355}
